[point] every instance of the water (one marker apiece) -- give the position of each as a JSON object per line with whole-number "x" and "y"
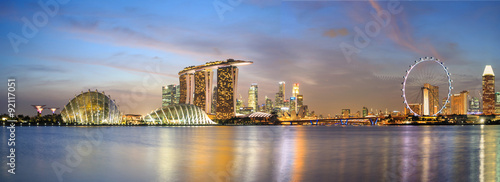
{"x": 255, "y": 153}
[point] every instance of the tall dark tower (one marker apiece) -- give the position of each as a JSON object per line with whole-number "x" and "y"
{"x": 489, "y": 98}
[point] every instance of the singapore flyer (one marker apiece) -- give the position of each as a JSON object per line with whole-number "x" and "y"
{"x": 424, "y": 82}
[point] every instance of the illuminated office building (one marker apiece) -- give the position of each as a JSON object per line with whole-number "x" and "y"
{"x": 295, "y": 89}
{"x": 365, "y": 112}
{"x": 253, "y": 97}
{"x": 239, "y": 105}
{"x": 489, "y": 97}
{"x": 474, "y": 105}
{"x": 416, "y": 108}
{"x": 430, "y": 103}
{"x": 280, "y": 96}
{"x": 269, "y": 105}
{"x": 300, "y": 101}
{"x": 203, "y": 89}
{"x": 186, "y": 82}
{"x": 293, "y": 104}
{"x": 214, "y": 99}
{"x": 227, "y": 78}
{"x": 170, "y": 95}
{"x": 346, "y": 113}
{"x": 497, "y": 105}
{"x": 447, "y": 109}
{"x": 459, "y": 103}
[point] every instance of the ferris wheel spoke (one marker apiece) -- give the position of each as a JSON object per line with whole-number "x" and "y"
{"x": 416, "y": 77}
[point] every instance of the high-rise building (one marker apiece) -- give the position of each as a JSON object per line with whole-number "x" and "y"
{"x": 295, "y": 93}
{"x": 280, "y": 96}
{"x": 295, "y": 89}
{"x": 416, "y": 108}
{"x": 293, "y": 104}
{"x": 474, "y": 105}
{"x": 269, "y": 105}
{"x": 430, "y": 96}
{"x": 459, "y": 103}
{"x": 447, "y": 109}
{"x": 227, "y": 78}
{"x": 239, "y": 105}
{"x": 203, "y": 89}
{"x": 278, "y": 101}
{"x": 214, "y": 99}
{"x": 300, "y": 101}
{"x": 253, "y": 96}
{"x": 497, "y": 105}
{"x": 170, "y": 95}
{"x": 186, "y": 82}
{"x": 365, "y": 111}
{"x": 282, "y": 88}
{"x": 489, "y": 99}
{"x": 346, "y": 113}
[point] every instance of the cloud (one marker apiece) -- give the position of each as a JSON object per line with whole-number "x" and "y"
{"x": 333, "y": 33}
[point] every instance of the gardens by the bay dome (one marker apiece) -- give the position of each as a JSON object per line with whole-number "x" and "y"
{"x": 182, "y": 114}
{"x": 91, "y": 107}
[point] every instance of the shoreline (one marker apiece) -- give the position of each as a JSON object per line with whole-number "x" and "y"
{"x": 145, "y": 125}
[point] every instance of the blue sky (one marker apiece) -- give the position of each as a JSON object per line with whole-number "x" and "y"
{"x": 129, "y": 49}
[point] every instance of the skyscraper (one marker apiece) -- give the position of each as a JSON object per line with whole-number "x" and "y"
{"x": 186, "y": 82}
{"x": 365, "y": 111}
{"x": 280, "y": 96}
{"x": 489, "y": 99}
{"x": 300, "y": 101}
{"x": 474, "y": 106}
{"x": 269, "y": 105}
{"x": 447, "y": 109}
{"x": 239, "y": 105}
{"x": 214, "y": 99}
{"x": 282, "y": 88}
{"x": 227, "y": 78}
{"x": 416, "y": 108}
{"x": 430, "y": 96}
{"x": 295, "y": 89}
{"x": 170, "y": 95}
{"x": 293, "y": 104}
{"x": 459, "y": 103}
{"x": 253, "y": 97}
{"x": 203, "y": 89}
{"x": 497, "y": 103}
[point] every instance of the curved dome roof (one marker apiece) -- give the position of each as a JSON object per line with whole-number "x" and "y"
{"x": 91, "y": 107}
{"x": 178, "y": 114}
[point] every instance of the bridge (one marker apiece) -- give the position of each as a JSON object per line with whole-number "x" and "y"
{"x": 342, "y": 121}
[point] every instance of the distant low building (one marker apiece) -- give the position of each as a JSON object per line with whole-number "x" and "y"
{"x": 346, "y": 113}
{"x": 132, "y": 119}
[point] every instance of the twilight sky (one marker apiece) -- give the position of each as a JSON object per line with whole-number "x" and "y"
{"x": 129, "y": 49}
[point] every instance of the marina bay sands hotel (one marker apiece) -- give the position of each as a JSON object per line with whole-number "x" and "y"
{"x": 196, "y": 86}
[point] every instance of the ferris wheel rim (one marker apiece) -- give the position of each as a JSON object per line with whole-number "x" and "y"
{"x": 448, "y": 75}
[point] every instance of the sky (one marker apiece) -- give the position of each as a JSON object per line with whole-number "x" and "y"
{"x": 344, "y": 54}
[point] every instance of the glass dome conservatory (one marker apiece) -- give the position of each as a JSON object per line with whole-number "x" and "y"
{"x": 183, "y": 114}
{"x": 91, "y": 107}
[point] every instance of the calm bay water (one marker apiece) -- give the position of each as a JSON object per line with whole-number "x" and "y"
{"x": 255, "y": 153}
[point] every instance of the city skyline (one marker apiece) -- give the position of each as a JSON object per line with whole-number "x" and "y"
{"x": 295, "y": 42}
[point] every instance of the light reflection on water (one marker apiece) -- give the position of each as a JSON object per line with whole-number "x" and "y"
{"x": 261, "y": 153}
